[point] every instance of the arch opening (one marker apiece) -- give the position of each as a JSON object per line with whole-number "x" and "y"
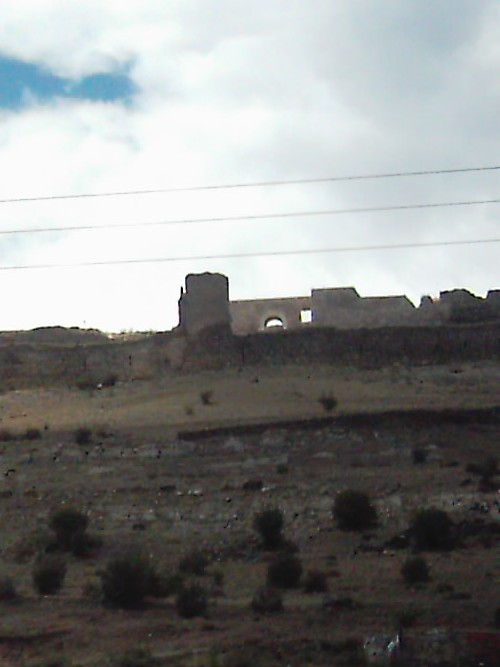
{"x": 274, "y": 322}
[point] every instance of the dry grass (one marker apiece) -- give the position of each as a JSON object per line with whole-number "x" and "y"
{"x": 118, "y": 480}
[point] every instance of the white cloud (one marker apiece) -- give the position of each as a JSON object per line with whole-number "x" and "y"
{"x": 258, "y": 91}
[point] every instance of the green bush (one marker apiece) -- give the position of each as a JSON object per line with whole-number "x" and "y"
{"x": 49, "y": 572}
{"x": 267, "y": 601}
{"x": 353, "y": 510}
{"x": 195, "y": 562}
{"x": 192, "y": 601}
{"x": 269, "y": 524}
{"x": 284, "y": 572}
{"x": 8, "y": 591}
{"x": 126, "y": 581}
{"x": 432, "y": 530}
{"x": 315, "y": 581}
{"x": 415, "y": 570}
{"x": 67, "y": 523}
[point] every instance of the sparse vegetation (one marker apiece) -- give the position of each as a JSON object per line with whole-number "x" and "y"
{"x": 432, "y": 530}
{"x": 206, "y": 397}
{"x": 328, "y": 402}
{"x": 83, "y": 435}
{"x": 49, "y": 572}
{"x": 284, "y": 571}
{"x": 315, "y": 581}
{"x": 267, "y": 601}
{"x": 487, "y": 470}
{"x": 136, "y": 657}
{"x": 192, "y": 601}
{"x": 69, "y": 526}
{"x": 195, "y": 562}
{"x": 353, "y": 510}
{"x": 109, "y": 381}
{"x": 126, "y": 581}
{"x": 32, "y": 434}
{"x": 419, "y": 455}
{"x": 199, "y": 494}
{"x": 84, "y": 545}
{"x": 415, "y": 570}
{"x": 6, "y": 435}
{"x": 8, "y": 592}
{"x": 269, "y": 524}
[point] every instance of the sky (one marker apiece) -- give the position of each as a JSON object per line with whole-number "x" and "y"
{"x": 134, "y": 95}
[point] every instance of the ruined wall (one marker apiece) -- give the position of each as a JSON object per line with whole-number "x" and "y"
{"x": 345, "y": 309}
{"x": 28, "y": 365}
{"x": 250, "y": 316}
{"x": 363, "y": 348}
{"x": 204, "y": 302}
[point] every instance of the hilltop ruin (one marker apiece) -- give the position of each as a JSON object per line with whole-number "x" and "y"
{"x": 205, "y": 302}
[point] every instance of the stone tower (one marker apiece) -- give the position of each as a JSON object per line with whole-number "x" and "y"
{"x": 204, "y": 302}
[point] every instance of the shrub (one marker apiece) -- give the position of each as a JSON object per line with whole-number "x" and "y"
{"x": 92, "y": 591}
{"x": 407, "y": 618}
{"x": 126, "y": 581}
{"x": 432, "y": 530}
{"x": 328, "y": 402}
{"x": 109, "y": 380}
{"x": 315, "y": 581}
{"x": 84, "y": 545}
{"x": 32, "y": 434}
{"x": 486, "y": 469}
{"x": 83, "y": 435}
{"x": 8, "y": 591}
{"x": 192, "y": 601}
{"x": 353, "y": 511}
{"x": 67, "y": 523}
{"x": 267, "y": 601}
{"x": 284, "y": 572}
{"x": 163, "y": 585}
{"x": 269, "y": 524}
{"x": 419, "y": 455}
{"x": 49, "y": 572}
{"x": 6, "y": 435}
{"x": 206, "y": 397}
{"x": 415, "y": 570}
{"x": 194, "y": 562}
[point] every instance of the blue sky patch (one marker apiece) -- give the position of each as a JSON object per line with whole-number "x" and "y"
{"x": 22, "y": 82}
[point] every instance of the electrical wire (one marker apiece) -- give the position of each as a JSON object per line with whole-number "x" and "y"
{"x": 256, "y": 217}
{"x": 247, "y": 255}
{"x": 257, "y": 184}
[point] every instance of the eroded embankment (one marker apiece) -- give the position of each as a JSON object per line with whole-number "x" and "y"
{"x": 416, "y": 418}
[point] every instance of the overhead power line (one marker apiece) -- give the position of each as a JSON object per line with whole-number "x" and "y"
{"x": 247, "y": 255}
{"x": 259, "y": 216}
{"x": 256, "y": 184}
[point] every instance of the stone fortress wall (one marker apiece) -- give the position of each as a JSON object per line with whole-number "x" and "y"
{"x": 345, "y": 329}
{"x": 205, "y": 302}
